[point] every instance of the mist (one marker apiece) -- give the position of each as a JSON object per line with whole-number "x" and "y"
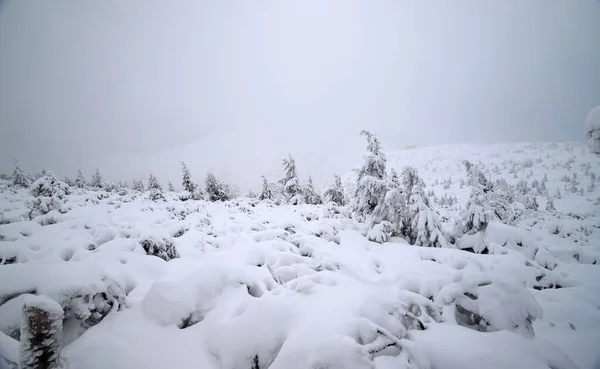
{"x": 131, "y": 87}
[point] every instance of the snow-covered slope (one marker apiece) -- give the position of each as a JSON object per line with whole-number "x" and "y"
{"x": 252, "y": 284}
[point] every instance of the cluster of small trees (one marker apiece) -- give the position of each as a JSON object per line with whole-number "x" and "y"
{"x": 392, "y": 204}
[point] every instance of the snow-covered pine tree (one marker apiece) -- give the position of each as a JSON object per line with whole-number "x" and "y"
{"x": 171, "y": 187}
{"x": 97, "y": 182}
{"x": 186, "y": 179}
{"x": 265, "y": 193}
{"x": 49, "y": 194}
{"x": 371, "y": 184}
{"x": 138, "y": 185}
{"x": 291, "y": 190}
{"x": 475, "y": 215}
{"x": 68, "y": 181}
{"x": 310, "y": 193}
{"x": 18, "y": 178}
{"x": 215, "y": 189}
{"x": 155, "y": 189}
{"x": 425, "y": 228}
{"x": 550, "y": 204}
{"x": 395, "y": 178}
{"x": 80, "y": 181}
{"x": 410, "y": 180}
{"x": 335, "y": 193}
{"x": 153, "y": 183}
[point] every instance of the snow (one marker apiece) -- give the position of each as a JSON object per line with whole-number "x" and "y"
{"x": 252, "y": 284}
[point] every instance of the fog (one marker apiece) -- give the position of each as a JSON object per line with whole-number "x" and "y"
{"x": 232, "y": 86}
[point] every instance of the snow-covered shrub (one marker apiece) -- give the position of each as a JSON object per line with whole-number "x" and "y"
{"x": 159, "y": 247}
{"x": 592, "y": 130}
{"x": 477, "y": 302}
{"x": 371, "y": 184}
{"x": 291, "y": 189}
{"x": 49, "y": 194}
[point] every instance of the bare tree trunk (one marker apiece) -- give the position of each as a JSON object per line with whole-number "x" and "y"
{"x": 41, "y": 334}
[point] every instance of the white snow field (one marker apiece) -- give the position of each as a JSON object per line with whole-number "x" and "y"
{"x": 252, "y": 284}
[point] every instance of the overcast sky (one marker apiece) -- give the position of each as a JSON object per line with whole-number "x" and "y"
{"x": 85, "y": 82}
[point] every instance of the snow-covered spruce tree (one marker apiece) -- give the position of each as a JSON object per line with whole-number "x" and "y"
{"x": 41, "y": 333}
{"x": 266, "y": 193}
{"x": 155, "y": 189}
{"x": 390, "y": 213}
{"x": 410, "y": 180}
{"x": 475, "y": 215}
{"x": 49, "y": 194}
{"x": 425, "y": 228}
{"x": 68, "y": 181}
{"x": 80, "y": 181}
{"x": 335, "y": 193}
{"x": 171, "y": 187}
{"x": 215, "y": 189}
{"x": 153, "y": 183}
{"x": 371, "y": 184}
{"x": 550, "y": 205}
{"x": 97, "y": 182}
{"x": 18, "y": 178}
{"x": 138, "y": 185}
{"x": 291, "y": 190}
{"x": 311, "y": 194}
{"x": 186, "y": 179}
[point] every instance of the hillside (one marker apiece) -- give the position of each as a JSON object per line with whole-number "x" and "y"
{"x": 253, "y": 284}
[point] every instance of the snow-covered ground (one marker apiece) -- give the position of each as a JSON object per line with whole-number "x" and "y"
{"x": 251, "y": 284}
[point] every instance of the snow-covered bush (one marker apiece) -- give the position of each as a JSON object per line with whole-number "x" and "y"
{"x": 49, "y": 194}
{"x": 159, "y": 247}
{"x": 592, "y": 130}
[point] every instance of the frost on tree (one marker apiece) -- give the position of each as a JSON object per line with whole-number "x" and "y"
{"x": 311, "y": 194}
{"x": 18, "y": 178}
{"x": 335, "y": 193}
{"x": 41, "y": 333}
{"x": 592, "y": 130}
{"x": 215, "y": 189}
{"x": 49, "y": 194}
{"x": 80, "y": 181}
{"x": 371, "y": 185}
{"x": 97, "y": 182}
{"x": 291, "y": 190}
{"x": 266, "y": 193}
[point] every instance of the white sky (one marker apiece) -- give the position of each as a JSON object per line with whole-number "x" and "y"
{"x": 134, "y": 86}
